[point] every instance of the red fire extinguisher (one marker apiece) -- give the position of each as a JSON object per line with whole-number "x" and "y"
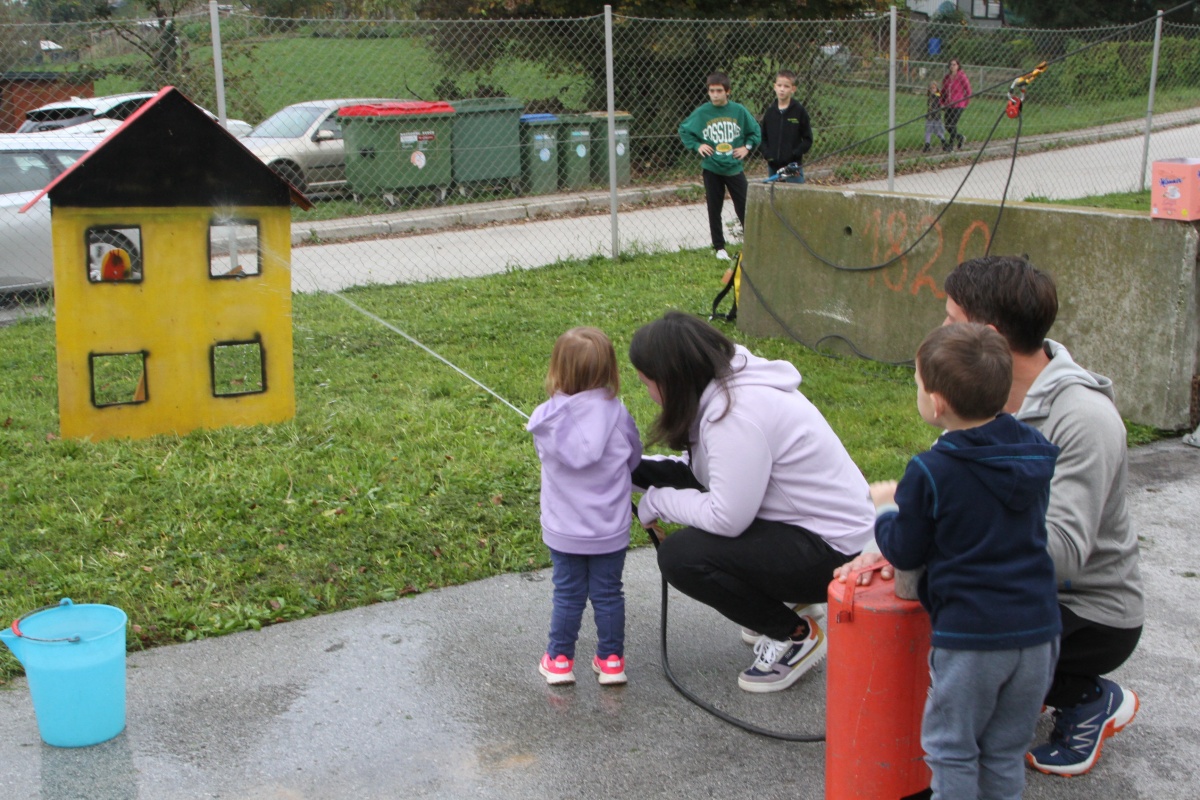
{"x": 876, "y": 683}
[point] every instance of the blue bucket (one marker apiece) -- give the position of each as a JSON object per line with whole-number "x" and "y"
{"x": 74, "y": 658}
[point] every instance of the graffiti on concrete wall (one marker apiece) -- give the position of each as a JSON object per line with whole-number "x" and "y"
{"x": 891, "y": 238}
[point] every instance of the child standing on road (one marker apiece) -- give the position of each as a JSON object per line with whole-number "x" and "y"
{"x": 933, "y": 117}
{"x": 588, "y": 445}
{"x": 786, "y": 131}
{"x": 972, "y": 512}
{"x": 723, "y": 133}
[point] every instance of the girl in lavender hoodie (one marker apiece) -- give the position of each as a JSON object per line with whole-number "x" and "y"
{"x": 588, "y": 445}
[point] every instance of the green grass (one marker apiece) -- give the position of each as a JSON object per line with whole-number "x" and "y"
{"x": 1122, "y": 201}
{"x": 396, "y": 476}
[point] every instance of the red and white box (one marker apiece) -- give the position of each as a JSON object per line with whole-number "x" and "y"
{"x": 1175, "y": 189}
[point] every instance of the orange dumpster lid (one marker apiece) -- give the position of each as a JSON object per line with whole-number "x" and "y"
{"x": 397, "y": 109}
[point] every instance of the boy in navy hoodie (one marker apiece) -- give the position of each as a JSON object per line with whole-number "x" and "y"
{"x": 971, "y": 511}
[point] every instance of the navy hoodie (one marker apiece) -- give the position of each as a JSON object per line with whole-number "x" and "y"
{"x": 972, "y": 511}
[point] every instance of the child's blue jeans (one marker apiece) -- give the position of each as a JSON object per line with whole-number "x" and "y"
{"x": 576, "y": 579}
{"x": 980, "y": 716}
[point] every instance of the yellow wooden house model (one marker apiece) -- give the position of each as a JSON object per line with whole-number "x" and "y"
{"x": 172, "y": 280}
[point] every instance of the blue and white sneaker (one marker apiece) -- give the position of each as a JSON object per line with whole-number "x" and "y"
{"x": 781, "y": 663}
{"x": 1079, "y": 732}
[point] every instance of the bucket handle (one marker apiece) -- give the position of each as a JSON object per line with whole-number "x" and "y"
{"x": 847, "y": 612}
{"x": 16, "y": 626}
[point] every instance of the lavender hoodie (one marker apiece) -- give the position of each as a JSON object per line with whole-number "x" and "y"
{"x": 771, "y": 456}
{"x": 588, "y": 445}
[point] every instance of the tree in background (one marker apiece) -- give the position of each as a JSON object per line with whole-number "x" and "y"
{"x": 68, "y": 10}
{"x": 1091, "y": 13}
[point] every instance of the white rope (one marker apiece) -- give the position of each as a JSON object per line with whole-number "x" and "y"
{"x": 394, "y": 329}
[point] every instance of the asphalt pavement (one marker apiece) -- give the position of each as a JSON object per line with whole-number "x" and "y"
{"x": 438, "y": 695}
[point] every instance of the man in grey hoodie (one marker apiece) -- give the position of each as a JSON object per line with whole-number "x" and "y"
{"x": 1094, "y": 549}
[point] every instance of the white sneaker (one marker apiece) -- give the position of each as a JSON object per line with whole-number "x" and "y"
{"x": 816, "y": 611}
{"x": 779, "y": 664}
{"x": 722, "y": 255}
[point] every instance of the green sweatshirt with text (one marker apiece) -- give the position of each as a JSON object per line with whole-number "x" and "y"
{"x": 725, "y": 128}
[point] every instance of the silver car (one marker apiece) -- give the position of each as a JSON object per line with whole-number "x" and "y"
{"x": 99, "y": 115}
{"x": 27, "y": 163}
{"x": 303, "y": 143}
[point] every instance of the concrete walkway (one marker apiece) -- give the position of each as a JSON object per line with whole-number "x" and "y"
{"x": 523, "y": 233}
{"x": 438, "y": 695}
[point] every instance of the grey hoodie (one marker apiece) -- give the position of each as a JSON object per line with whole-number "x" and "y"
{"x": 1094, "y": 549}
{"x": 769, "y": 455}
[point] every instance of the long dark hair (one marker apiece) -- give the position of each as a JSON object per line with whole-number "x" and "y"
{"x": 682, "y": 355}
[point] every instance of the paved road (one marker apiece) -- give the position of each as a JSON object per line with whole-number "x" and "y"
{"x": 438, "y": 696}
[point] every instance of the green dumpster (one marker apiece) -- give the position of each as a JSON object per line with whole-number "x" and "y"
{"x": 622, "y": 120}
{"x": 487, "y": 140}
{"x": 575, "y": 151}
{"x": 539, "y": 153}
{"x": 398, "y": 145}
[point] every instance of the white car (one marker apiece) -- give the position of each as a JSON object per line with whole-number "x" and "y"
{"x": 99, "y": 115}
{"x": 303, "y": 143}
{"x": 28, "y": 162}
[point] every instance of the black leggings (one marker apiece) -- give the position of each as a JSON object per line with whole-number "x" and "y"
{"x": 714, "y": 195}
{"x": 1088, "y": 651}
{"x": 953, "y": 137}
{"x": 747, "y": 578}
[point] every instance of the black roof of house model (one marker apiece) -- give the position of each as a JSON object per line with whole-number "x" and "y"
{"x": 169, "y": 153}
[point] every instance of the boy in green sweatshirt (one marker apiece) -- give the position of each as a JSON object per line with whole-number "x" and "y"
{"x": 723, "y": 133}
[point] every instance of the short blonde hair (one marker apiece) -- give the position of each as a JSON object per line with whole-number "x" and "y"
{"x": 582, "y": 359}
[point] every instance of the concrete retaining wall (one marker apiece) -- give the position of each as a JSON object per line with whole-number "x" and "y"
{"x": 1127, "y": 284}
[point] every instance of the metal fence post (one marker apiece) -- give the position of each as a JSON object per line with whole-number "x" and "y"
{"x": 1158, "y": 25}
{"x": 892, "y": 100}
{"x": 612, "y": 131}
{"x": 218, "y": 66}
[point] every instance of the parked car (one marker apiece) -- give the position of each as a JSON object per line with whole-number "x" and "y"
{"x": 303, "y": 143}
{"x": 28, "y": 162}
{"x": 99, "y": 115}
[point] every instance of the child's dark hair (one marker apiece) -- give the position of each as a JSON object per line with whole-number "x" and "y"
{"x": 1009, "y": 293}
{"x": 682, "y": 354}
{"x": 717, "y": 79}
{"x": 970, "y": 366}
{"x": 789, "y": 75}
{"x": 582, "y": 359}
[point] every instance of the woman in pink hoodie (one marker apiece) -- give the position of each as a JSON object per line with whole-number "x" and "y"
{"x": 770, "y": 498}
{"x": 956, "y": 96}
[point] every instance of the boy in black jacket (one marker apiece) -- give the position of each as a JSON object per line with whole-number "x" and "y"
{"x": 786, "y": 131}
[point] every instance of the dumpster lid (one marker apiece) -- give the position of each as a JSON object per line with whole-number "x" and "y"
{"x": 488, "y": 104}
{"x": 397, "y": 109}
{"x": 539, "y": 118}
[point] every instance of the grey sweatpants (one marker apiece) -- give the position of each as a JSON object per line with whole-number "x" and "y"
{"x": 980, "y": 717}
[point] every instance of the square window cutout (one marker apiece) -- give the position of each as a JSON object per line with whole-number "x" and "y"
{"x": 114, "y": 254}
{"x": 233, "y": 249}
{"x": 118, "y": 379}
{"x": 238, "y": 368}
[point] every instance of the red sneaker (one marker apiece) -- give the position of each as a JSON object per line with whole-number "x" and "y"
{"x": 609, "y": 671}
{"x": 558, "y": 670}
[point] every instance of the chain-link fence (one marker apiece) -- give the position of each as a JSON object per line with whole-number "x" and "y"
{"x": 418, "y": 139}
